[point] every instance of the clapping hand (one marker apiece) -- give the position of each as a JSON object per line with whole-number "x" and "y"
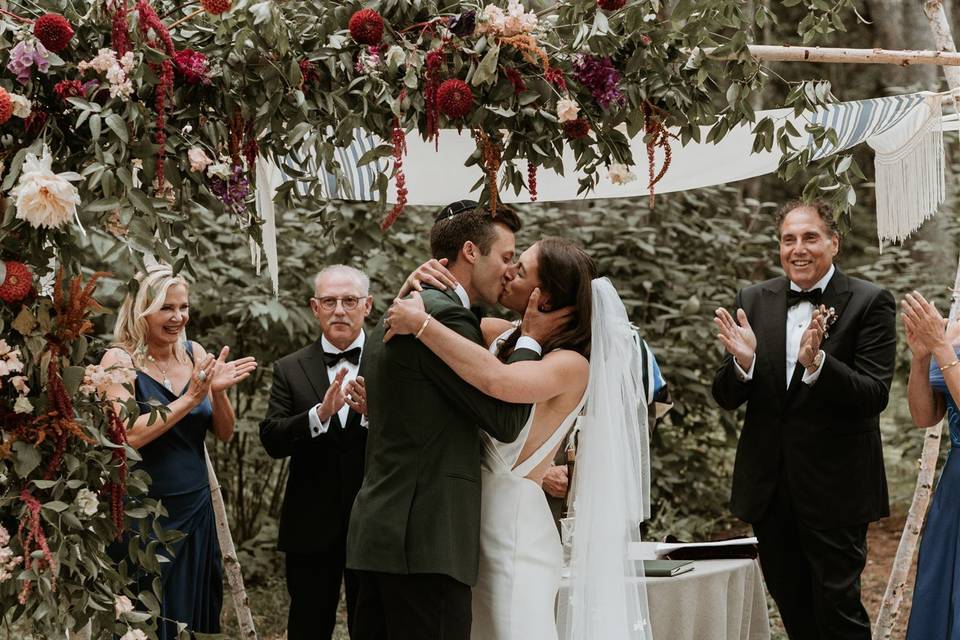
{"x": 334, "y": 398}
{"x": 356, "y": 395}
{"x": 541, "y": 325}
{"x": 227, "y": 374}
{"x": 201, "y": 379}
{"x": 432, "y": 272}
{"x": 812, "y": 337}
{"x": 924, "y": 324}
{"x": 736, "y": 336}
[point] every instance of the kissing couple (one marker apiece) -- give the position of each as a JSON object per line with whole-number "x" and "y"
{"x": 465, "y": 416}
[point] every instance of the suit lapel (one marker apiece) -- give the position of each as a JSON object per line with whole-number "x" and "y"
{"x": 315, "y": 369}
{"x": 773, "y": 332}
{"x": 836, "y": 296}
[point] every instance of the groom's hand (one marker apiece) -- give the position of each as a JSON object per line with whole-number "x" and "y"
{"x": 334, "y": 398}
{"x": 555, "y": 481}
{"x": 540, "y": 325}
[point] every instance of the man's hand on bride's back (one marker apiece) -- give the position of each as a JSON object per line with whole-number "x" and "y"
{"x": 541, "y": 325}
{"x": 433, "y": 272}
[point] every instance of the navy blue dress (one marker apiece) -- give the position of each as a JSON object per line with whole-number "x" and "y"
{"x": 936, "y": 595}
{"x": 193, "y": 579}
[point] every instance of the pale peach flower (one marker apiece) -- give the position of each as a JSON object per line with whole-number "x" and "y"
{"x": 567, "y": 110}
{"x": 45, "y": 198}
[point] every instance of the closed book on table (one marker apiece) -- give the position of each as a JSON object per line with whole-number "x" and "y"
{"x": 666, "y": 568}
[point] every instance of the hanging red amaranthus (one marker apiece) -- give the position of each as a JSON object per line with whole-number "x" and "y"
{"x": 119, "y": 35}
{"x": 532, "y": 180}
{"x": 431, "y": 85}
{"x": 658, "y": 136}
{"x": 399, "y": 149}
{"x": 150, "y": 21}
{"x": 490, "y": 152}
{"x": 117, "y": 489}
{"x": 35, "y": 540}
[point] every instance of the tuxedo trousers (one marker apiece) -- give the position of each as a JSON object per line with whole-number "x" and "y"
{"x": 417, "y": 606}
{"x": 813, "y": 574}
{"x": 313, "y": 582}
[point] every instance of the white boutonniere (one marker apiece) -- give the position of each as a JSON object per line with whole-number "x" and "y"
{"x": 829, "y": 319}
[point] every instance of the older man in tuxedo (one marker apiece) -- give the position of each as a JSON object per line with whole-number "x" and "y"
{"x": 811, "y": 355}
{"x": 317, "y": 417}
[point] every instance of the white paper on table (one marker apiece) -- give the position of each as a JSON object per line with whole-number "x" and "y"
{"x": 663, "y": 548}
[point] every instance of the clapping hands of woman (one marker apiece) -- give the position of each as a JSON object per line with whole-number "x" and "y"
{"x": 227, "y": 374}
{"x": 925, "y": 327}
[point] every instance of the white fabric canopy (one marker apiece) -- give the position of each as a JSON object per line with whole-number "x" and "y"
{"x": 903, "y": 130}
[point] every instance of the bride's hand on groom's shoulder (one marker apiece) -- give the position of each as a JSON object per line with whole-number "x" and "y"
{"x": 404, "y": 317}
{"x": 433, "y": 272}
{"x": 541, "y": 324}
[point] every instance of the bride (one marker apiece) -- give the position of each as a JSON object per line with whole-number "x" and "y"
{"x": 591, "y": 369}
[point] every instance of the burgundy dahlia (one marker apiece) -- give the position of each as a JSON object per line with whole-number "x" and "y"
{"x": 192, "y": 65}
{"x": 6, "y": 106}
{"x": 53, "y": 30}
{"x": 17, "y": 281}
{"x": 454, "y": 98}
{"x": 366, "y": 26}
{"x": 68, "y": 89}
{"x": 600, "y": 77}
{"x": 576, "y": 129}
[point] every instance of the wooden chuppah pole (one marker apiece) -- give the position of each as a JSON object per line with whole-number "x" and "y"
{"x": 231, "y": 565}
{"x": 893, "y": 597}
{"x": 780, "y": 53}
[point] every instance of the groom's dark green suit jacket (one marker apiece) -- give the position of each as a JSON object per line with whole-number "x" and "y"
{"x": 418, "y": 510}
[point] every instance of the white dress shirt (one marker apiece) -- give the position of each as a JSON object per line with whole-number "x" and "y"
{"x": 798, "y": 318}
{"x": 316, "y": 426}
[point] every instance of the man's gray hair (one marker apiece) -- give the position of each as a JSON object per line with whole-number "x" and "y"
{"x": 362, "y": 279}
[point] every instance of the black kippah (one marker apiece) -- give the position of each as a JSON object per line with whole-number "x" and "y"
{"x": 455, "y": 208}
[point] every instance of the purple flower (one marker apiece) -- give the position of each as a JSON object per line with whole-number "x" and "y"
{"x": 232, "y": 192}
{"x": 600, "y": 77}
{"x": 463, "y": 25}
{"x": 25, "y": 54}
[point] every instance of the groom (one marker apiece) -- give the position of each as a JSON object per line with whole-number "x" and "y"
{"x": 414, "y": 530}
{"x": 812, "y": 355}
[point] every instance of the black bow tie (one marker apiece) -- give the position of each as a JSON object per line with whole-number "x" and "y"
{"x": 351, "y": 355}
{"x": 796, "y": 297}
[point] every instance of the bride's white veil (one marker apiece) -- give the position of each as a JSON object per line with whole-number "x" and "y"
{"x": 611, "y": 486}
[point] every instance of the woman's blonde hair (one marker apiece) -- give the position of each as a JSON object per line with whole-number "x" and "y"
{"x": 130, "y": 331}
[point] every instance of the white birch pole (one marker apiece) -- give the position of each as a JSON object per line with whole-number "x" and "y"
{"x": 231, "y": 565}
{"x": 786, "y": 53}
{"x": 897, "y": 584}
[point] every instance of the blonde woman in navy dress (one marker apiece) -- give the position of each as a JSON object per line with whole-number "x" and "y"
{"x": 150, "y": 337}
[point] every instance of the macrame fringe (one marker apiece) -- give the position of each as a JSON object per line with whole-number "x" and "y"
{"x": 266, "y": 211}
{"x": 910, "y": 182}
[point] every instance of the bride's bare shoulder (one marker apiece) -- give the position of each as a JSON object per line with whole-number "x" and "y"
{"x": 493, "y": 328}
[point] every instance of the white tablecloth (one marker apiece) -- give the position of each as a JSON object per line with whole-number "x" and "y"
{"x": 718, "y": 600}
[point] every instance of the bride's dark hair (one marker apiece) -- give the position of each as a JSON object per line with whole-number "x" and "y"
{"x": 566, "y": 273}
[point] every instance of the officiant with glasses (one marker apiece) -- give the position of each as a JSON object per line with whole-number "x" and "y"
{"x": 811, "y": 355}
{"x": 317, "y": 416}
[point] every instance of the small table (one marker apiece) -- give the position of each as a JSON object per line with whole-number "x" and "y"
{"x": 718, "y": 600}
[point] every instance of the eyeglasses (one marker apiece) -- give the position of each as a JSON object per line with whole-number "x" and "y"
{"x": 329, "y": 303}
{"x": 455, "y": 208}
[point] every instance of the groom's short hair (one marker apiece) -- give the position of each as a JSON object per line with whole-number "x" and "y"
{"x": 465, "y": 220}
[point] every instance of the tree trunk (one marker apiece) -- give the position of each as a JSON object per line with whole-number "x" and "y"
{"x": 893, "y": 598}
{"x": 231, "y": 565}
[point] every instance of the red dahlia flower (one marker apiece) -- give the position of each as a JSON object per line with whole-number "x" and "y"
{"x": 454, "y": 98}
{"x": 6, "y": 106}
{"x": 53, "y": 30}
{"x": 366, "y": 26}
{"x": 17, "y": 281}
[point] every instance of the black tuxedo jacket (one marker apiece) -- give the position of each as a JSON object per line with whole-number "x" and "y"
{"x": 822, "y": 440}
{"x": 419, "y": 508}
{"x": 326, "y": 471}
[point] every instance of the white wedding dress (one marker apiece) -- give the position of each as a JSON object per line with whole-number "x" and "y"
{"x": 520, "y": 554}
